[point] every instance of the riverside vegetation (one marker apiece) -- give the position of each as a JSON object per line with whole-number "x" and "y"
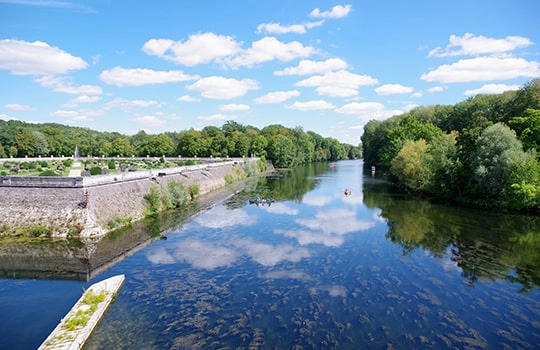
{"x": 483, "y": 151}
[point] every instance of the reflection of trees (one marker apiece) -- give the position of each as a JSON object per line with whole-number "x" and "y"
{"x": 484, "y": 245}
{"x": 282, "y": 185}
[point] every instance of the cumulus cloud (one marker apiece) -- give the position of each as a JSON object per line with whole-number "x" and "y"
{"x": 231, "y": 107}
{"x": 127, "y": 105}
{"x": 63, "y": 84}
{"x": 470, "y": 44}
{"x": 270, "y": 49}
{"x": 483, "y": 69}
{"x": 317, "y": 105}
{"x": 71, "y": 117}
{"x": 36, "y": 58}
{"x": 393, "y": 89}
{"x": 277, "y": 28}
{"x": 150, "y": 120}
{"x": 18, "y": 107}
{"x": 367, "y": 110}
{"x": 338, "y": 84}
{"x": 308, "y": 67}
{"x": 85, "y": 99}
{"x": 199, "y": 48}
{"x": 435, "y": 89}
{"x": 492, "y": 89}
{"x": 337, "y": 11}
{"x": 276, "y": 97}
{"x": 187, "y": 98}
{"x": 221, "y": 88}
{"x": 140, "y": 76}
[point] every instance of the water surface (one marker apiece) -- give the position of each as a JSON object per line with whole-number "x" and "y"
{"x": 316, "y": 269}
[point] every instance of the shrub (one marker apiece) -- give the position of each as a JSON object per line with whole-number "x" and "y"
{"x": 111, "y": 165}
{"x": 153, "y": 200}
{"x": 229, "y": 179}
{"x": 119, "y": 221}
{"x": 48, "y": 173}
{"x": 43, "y": 164}
{"x": 67, "y": 163}
{"x": 177, "y": 193}
{"x": 194, "y": 190}
{"x": 95, "y": 170}
{"x": 40, "y": 231}
{"x": 3, "y": 173}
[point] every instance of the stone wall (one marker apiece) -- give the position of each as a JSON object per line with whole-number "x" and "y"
{"x": 87, "y": 209}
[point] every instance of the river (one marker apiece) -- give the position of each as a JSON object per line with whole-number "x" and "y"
{"x": 291, "y": 262}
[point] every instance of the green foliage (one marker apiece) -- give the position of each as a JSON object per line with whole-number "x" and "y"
{"x": 111, "y": 164}
{"x": 229, "y": 179}
{"x": 177, "y": 194}
{"x": 48, "y": 173}
{"x": 410, "y": 165}
{"x": 119, "y": 221}
{"x": 528, "y": 128}
{"x": 95, "y": 170}
{"x": 153, "y": 200}
{"x": 194, "y": 190}
{"x": 40, "y": 230}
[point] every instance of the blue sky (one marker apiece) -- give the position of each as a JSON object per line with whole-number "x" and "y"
{"x": 327, "y": 66}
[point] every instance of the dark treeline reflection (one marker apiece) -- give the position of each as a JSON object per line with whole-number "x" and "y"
{"x": 485, "y": 245}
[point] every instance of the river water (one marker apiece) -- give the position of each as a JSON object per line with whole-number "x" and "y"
{"x": 311, "y": 269}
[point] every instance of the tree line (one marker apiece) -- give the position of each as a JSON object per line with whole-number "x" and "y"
{"x": 483, "y": 150}
{"x": 284, "y": 147}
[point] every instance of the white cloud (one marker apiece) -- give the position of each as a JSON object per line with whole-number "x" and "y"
{"x": 269, "y": 49}
{"x": 63, "y": 84}
{"x": 338, "y": 84}
{"x": 470, "y": 44}
{"x": 367, "y": 110}
{"x": 199, "y": 48}
{"x": 492, "y": 89}
{"x": 276, "y": 97}
{"x": 393, "y": 89}
{"x": 204, "y": 255}
{"x": 36, "y": 58}
{"x": 307, "y": 67}
{"x": 311, "y": 105}
{"x": 435, "y": 89}
{"x": 18, "y": 107}
{"x": 231, "y": 107}
{"x": 187, "y": 98}
{"x": 277, "y": 28}
{"x": 140, "y": 76}
{"x": 409, "y": 106}
{"x": 221, "y": 88}
{"x": 150, "y": 120}
{"x": 85, "y": 99}
{"x": 5, "y": 117}
{"x": 337, "y": 11}
{"x": 417, "y": 94}
{"x": 270, "y": 255}
{"x": 127, "y": 105}
{"x": 71, "y": 117}
{"x": 483, "y": 69}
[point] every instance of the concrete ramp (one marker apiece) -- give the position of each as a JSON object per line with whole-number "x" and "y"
{"x": 75, "y": 328}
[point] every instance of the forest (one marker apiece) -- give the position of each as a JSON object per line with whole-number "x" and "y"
{"x": 284, "y": 147}
{"x": 483, "y": 151}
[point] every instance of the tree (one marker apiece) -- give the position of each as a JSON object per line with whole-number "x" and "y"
{"x": 496, "y": 150}
{"x": 443, "y": 164}
{"x": 528, "y": 128}
{"x": 410, "y": 165}
{"x": 159, "y": 145}
{"x": 191, "y": 144}
{"x": 281, "y": 151}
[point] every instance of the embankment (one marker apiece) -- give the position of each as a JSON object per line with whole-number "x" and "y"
{"x": 85, "y": 205}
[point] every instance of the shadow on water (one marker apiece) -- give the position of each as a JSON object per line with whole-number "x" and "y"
{"x": 484, "y": 245}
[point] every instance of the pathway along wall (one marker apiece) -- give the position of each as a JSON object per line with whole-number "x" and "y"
{"x": 84, "y": 205}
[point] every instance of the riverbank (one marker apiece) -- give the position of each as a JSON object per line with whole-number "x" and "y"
{"x": 85, "y": 206}
{"x": 75, "y": 328}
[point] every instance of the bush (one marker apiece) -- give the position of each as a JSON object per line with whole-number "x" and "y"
{"x": 119, "y": 221}
{"x": 229, "y": 179}
{"x": 111, "y": 165}
{"x": 67, "y": 163}
{"x": 177, "y": 193}
{"x": 194, "y": 190}
{"x": 95, "y": 170}
{"x": 43, "y": 164}
{"x": 40, "y": 231}
{"x": 48, "y": 173}
{"x": 153, "y": 200}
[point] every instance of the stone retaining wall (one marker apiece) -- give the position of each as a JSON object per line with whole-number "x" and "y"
{"x": 87, "y": 209}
